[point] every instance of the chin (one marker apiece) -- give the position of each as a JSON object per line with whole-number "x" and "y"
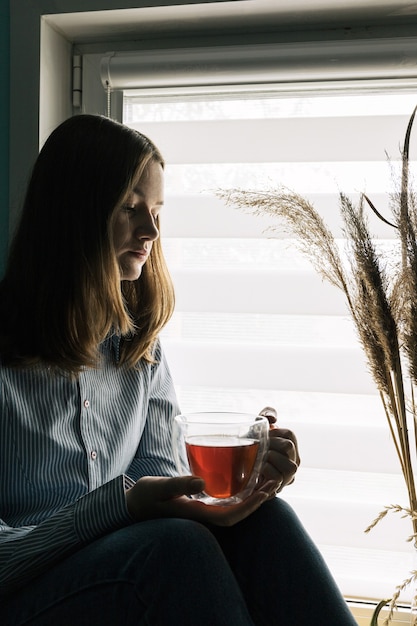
{"x": 131, "y": 274}
{"x": 131, "y": 277}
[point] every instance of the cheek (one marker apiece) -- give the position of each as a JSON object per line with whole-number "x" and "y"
{"x": 120, "y": 232}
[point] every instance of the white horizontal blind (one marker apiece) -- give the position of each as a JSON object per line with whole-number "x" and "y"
{"x": 283, "y": 63}
{"x": 255, "y": 325}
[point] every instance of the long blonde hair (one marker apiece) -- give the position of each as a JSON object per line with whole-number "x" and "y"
{"x": 61, "y": 295}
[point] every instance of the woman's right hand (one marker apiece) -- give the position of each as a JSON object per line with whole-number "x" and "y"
{"x": 154, "y": 497}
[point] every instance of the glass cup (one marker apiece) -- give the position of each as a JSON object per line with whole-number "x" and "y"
{"x": 226, "y": 449}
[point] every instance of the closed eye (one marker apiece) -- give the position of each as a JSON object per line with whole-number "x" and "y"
{"x": 134, "y": 213}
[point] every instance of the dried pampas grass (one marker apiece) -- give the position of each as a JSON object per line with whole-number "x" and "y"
{"x": 383, "y": 308}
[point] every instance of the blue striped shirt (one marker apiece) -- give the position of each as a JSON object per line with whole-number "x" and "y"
{"x": 68, "y": 450}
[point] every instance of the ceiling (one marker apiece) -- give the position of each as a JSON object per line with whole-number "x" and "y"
{"x": 237, "y": 15}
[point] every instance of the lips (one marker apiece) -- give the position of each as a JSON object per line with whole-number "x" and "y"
{"x": 140, "y": 254}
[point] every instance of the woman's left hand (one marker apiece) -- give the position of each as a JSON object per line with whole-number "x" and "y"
{"x": 282, "y": 459}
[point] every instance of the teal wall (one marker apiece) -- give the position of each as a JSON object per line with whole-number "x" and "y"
{"x": 4, "y": 129}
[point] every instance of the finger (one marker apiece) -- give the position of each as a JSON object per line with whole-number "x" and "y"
{"x": 279, "y": 467}
{"x": 270, "y": 413}
{"x": 183, "y": 486}
{"x": 165, "y": 488}
{"x": 271, "y": 487}
{"x": 285, "y": 441}
{"x": 283, "y": 446}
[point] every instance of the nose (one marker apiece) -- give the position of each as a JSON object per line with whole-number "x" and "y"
{"x": 147, "y": 228}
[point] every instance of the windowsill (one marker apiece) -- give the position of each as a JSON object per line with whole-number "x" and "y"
{"x": 362, "y": 612}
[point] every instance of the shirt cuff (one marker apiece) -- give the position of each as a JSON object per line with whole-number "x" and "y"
{"x": 103, "y": 510}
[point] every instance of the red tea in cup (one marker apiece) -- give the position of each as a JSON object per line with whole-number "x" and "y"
{"x": 224, "y": 462}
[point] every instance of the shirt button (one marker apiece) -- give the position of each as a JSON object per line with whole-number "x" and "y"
{"x": 93, "y": 455}
{"x": 86, "y": 403}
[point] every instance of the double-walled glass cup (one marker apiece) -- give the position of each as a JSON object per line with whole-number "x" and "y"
{"x": 226, "y": 449}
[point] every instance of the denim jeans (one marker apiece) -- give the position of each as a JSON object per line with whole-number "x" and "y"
{"x": 264, "y": 571}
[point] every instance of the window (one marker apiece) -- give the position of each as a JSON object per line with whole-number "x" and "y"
{"x": 254, "y": 323}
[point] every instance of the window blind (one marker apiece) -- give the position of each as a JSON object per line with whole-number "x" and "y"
{"x": 254, "y": 324}
{"x": 286, "y": 62}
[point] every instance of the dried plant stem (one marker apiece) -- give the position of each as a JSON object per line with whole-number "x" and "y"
{"x": 403, "y": 447}
{"x": 392, "y": 431}
{"x": 405, "y": 223}
{"x": 414, "y": 416}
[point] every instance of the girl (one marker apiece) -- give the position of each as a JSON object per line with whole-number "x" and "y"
{"x": 95, "y": 525}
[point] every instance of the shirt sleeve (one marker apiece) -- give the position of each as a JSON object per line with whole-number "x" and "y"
{"x": 154, "y": 455}
{"x": 28, "y": 551}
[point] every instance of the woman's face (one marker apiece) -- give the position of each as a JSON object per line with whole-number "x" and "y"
{"x": 135, "y": 225}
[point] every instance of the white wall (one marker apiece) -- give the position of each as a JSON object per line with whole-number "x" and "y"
{"x": 55, "y": 82}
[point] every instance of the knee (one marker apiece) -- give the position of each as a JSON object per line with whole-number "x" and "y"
{"x": 185, "y": 540}
{"x": 280, "y": 520}
{"x": 183, "y": 550}
{"x": 273, "y": 513}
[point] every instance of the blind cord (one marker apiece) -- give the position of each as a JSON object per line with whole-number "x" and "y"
{"x": 108, "y": 99}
